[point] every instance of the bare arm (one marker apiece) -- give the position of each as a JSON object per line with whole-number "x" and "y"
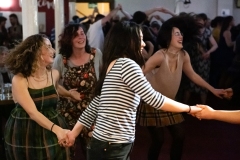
{"x": 220, "y": 115}
{"x": 194, "y": 77}
{"x": 213, "y": 43}
{"x": 110, "y": 15}
{"x": 126, "y": 14}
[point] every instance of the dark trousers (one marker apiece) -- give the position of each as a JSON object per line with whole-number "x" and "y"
{"x": 157, "y": 137}
{"x": 100, "y": 150}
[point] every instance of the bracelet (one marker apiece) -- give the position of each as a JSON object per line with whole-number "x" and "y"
{"x": 189, "y": 109}
{"x": 52, "y": 126}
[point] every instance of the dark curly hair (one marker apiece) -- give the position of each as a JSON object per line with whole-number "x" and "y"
{"x": 65, "y": 40}
{"x": 24, "y": 57}
{"x": 185, "y": 23}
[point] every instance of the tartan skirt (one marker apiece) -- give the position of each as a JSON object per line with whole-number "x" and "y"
{"x": 149, "y": 116}
{"x": 27, "y": 140}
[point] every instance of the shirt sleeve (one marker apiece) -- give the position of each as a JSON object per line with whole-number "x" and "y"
{"x": 90, "y": 113}
{"x": 133, "y": 76}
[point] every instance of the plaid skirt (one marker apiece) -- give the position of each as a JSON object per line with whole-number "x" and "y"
{"x": 149, "y": 116}
{"x": 27, "y": 140}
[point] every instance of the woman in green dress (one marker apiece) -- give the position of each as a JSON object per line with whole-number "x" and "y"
{"x": 34, "y": 129}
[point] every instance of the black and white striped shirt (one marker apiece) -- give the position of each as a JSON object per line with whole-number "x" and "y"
{"x": 115, "y": 109}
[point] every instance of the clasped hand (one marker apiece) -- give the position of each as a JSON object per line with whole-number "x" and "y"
{"x": 68, "y": 140}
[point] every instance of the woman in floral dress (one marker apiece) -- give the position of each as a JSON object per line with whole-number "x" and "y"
{"x": 79, "y": 66}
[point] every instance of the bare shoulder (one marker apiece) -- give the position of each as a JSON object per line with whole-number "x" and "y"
{"x": 19, "y": 80}
{"x": 159, "y": 54}
{"x": 185, "y": 55}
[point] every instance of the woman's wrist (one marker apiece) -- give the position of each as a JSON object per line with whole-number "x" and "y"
{"x": 189, "y": 109}
{"x": 69, "y": 93}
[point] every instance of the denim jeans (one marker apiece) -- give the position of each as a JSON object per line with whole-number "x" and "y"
{"x": 100, "y": 150}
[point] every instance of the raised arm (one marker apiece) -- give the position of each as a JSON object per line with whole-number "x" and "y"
{"x": 110, "y": 15}
{"x": 126, "y": 14}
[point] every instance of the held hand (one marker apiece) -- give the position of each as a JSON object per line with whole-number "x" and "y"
{"x": 62, "y": 137}
{"x": 228, "y": 93}
{"x": 206, "y": 112}
{"x": 74, "y": 95}
{"x": 206, "y": 56}
{"x": 164, "y": 10}
{"x": 71, "y": 139}
{"x": 219, "y": 93}
{"x": 195, "y": 109}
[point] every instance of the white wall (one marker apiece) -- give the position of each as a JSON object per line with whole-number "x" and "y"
{"x": 211, "y": 7}
{"x": 236, "y": 14}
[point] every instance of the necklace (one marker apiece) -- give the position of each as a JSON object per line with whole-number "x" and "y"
{"x": 41, "y": 78}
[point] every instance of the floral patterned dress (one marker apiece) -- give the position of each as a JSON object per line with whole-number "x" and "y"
{"x": 83, "y": 78}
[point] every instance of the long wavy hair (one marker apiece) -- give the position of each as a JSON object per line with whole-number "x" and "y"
{"x": 226, "y": 23}
{"x": 123, "y": 40}
{"x": 66, "y": 37}
{"x": 24, "y": 58}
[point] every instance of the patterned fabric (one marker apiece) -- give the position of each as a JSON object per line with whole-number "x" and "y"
{"x": 148, "y": 116}
{"x": 115, "y": 110}
{"x": 201, "y": 66}
{"x": 25, "y": 139}
{"x": 83, "y": 78}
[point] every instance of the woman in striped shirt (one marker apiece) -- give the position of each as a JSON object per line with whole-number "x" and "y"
{"x": 120, "y": 87}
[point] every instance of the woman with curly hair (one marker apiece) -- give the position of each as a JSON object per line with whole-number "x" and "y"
{"x": 34, "y": 128}
{"x": 79, "y": 66}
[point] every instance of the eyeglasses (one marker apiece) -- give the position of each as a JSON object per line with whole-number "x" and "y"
{"x": 178, "y": 34}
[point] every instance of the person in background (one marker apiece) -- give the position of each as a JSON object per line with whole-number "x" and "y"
{"x": 3, "y": 32}
{"x": 216, "y": 24}
{"x": 34, "y": 128}
{"x": 225, "y": 54}
{"x": 15, "y": 31}
{"x": 117, "y": 96}
{"x": 164, "y": 70}
{"x": 5, "y": 76}
{"x": 95, "y": 32}
{"x": 79, "y": 66}
{"x": 201, "y": 62}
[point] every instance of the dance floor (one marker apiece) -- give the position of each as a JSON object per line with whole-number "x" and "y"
{"x": 205, "y": 139}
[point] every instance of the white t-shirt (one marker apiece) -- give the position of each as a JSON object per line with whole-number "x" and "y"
{"x": 95, "y": 35}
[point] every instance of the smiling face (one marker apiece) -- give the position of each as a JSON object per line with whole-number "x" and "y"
{"x": 80, "y": 40}
{"x": 47, "y": 52}
{"x": 177, "y": 38}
